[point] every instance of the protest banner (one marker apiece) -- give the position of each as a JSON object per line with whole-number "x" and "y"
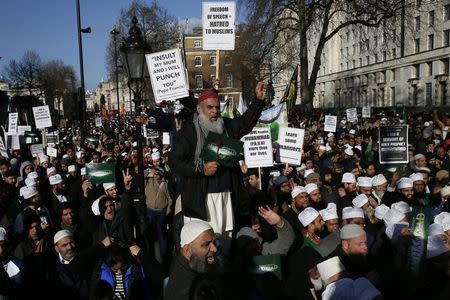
{"x": 393, "y": 141}
{"x": 12, "y": 123}
{"x": 218, "y": 25}
{"x": 365, "y": 113}
{"x": 166, "y": 138}
{"x": 21, "y": 129}
{"x": 420, "y": 221}
{"x": 36, "y": 149}
{"x": 258, "y": 148}
{"x": 152, "y": 134}
{"x": 291, "y": 145}
{"x": 221, "y": 148}
{"x": 352, "y": 114}
{"x": 167, "y": 75}
{"x": 330, "y": 123}
{"x": 100, "y": 173}
{"x": 42, "y": 117}
{"x": 3, "y": 151}
{"x": 98, "y": 121}
{"x": 53, "y": 152}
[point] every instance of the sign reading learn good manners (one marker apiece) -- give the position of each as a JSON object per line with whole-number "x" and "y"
{"x": 167, "y": 75}
{"x": 218, "y": 25}
{"x": 291, "y": 144}
{"x": 393, "y": 144}
{"x": 258, "y": 148}
{"x": 330, "y": 123}
{"x": 42, "y": 117}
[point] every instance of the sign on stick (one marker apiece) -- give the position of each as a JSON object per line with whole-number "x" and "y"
{"x": 393, "y": 142}
{"x": 258, "y": 148}
{"x": 330, "y": 123}
{"x": 218, "y": 25}
{"x": 42, "y": 117}
{"x": 291, "y": 145}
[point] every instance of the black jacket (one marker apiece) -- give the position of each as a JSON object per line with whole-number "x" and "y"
{"x": 181, "y": 278}
{"x": 182, "y": 156}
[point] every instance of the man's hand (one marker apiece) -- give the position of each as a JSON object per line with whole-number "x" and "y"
{"x": 270, "y": 216}
{"x": 87, "y": 185}
{"x": 210, "y": 168}
{"x": 260, "y": 91}
{"x": 244, "y": 168}
{"x": 134, "y": 250}
{"x": 107, "y": 241}
{"x": 127, "y": 179}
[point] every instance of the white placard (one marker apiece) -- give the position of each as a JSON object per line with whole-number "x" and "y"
{"x": 36, "y": 149}
{"x": 166, "y": 138}
{"x": 53, "y": 152}
{"x": 13, "y": 142}
{"x": 98, "y": 121}
{"x": 3, "y": 151}
{"x": 352, "y": 114}
{"x": 52, "y": 137}
{"x": 365, "y": 112}
{"x": 21, "y": 129}
{"x": 291, "y": 145}
{"x": 330, "y": 123}
{"x": 258, "y": 148}
{"x": 12, "y": 123}
{"x": 167, "y": 75}
{"x": 42, "y": 117}
{"x": 218, "y": 25}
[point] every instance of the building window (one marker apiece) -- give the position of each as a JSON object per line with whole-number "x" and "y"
{"x": 416, "y": 45}
{"x": 445, "y": 66}
{"x": 384, "y": 56}
{"x": 394, "y": 52}
{"x": 431, "y": 18}
{"x": 431, "y": 42}
{"x": 212, "y": 78}
{"x": 376, "y": 57}
{"x": 375, "y": 41}
{"x": 414, "y": 95}
{"x": 418, "y": 3}
{"x": 212, "y": 61}
{"x": 353, "y": 63}
{"x": 360, "y": 61}
{"x": 417, "y": 23}
{"x": 198, "y": 61}
{"x": 197, "y": 44}
{"x": 227, "y": 60}
{"x": 392, "y": 96}
{"x": 428, "y": 94}
{"x": 229, "y": 80}
{"x": 430, "y": 68}
{"x": 446, "y": 38}
{"x": 367, "y": 60}
{"x": 447, "y": 12}
{"x": 393, "y": 75}
{"x": 199, "y": 81}
{"x": 416, "y": 71}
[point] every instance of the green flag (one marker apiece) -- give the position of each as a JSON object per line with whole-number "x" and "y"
{"x": 290, "y": 93}
{"x": 420, "y": 220}
{"x": 221, "y": 148}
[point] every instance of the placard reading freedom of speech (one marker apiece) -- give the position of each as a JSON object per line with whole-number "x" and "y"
{"x": 167, "y": 75}
{"x": 393, "y": 144}
{"x": 218, "y": 25}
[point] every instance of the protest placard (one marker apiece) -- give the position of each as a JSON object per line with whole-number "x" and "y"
{"x": 12, "y": 142}
{"x": 393, "y": 141}
{"x": 53, "y": 152}
{"x": 12, "y": 123}
{"x": 36, "y": 149}
{"x": 100, "y": 173}
{"x": 42, "y": 117}
{"x": 3, "y": 151}
{"x": 221, "y": 148}
{"x": 330, "y": 123}
{"x": 166, "y": 138}
{"x": 21, "y": 129}
{"x": 218, "y": 25}
{"x": 167, "y": 75}
{"x": 365, "y": 113}
{"x": 258, "y": 148}
{"x": 152, "y": 134}
{"x": 53, "y": 137}
{"x": 352, "y": 114}
{"x": 291, "y": 145}
{"x": 98, "y": 121}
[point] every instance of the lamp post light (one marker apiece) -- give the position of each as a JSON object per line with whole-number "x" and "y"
{"x": 133, "y": 52}
{"x": 82, "y": 89}
{"x": 114, "y": 33}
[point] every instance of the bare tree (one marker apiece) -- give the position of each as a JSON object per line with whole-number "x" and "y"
{"x": 296, "y": 27}
{"x": 25, "y": 73}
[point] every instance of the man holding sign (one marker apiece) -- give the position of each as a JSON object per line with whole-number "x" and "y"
{"x": 207, "y": 188}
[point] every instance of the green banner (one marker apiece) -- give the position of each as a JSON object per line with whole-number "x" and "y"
{"x": 420, "y": 220}
{"x": 100, "y": 173}
{"x": 220, "y": 148}
{"x": 267, "y": 264}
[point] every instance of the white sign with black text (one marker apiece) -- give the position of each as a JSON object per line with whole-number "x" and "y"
{"x": 52, "y": 152}
{"x": 365, "y": 112}
{"x": 258, "y": 148}
{"x": 330, "y": 123}
{"x": 12, "y": 123}
{"x": 352, "y": 114}
{"x": 218, "y": 25}
{"x": 42, "y": 117}
{"x": 291, "y": 145}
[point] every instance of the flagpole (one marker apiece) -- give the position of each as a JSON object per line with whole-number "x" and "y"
{"x": 260, "y": 179}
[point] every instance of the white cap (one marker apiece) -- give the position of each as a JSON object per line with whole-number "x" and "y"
{"x": 155, "y": 154}
{"x": 275, "y": 173}
{"x": 95, "y": 208}
{"x": 51, "y": 170}
{"x": 308, "y": 172}
{"x": 60, "y": 235}
{"x": 402, "y": 207}
{"x": 347, "y": 288}
{"x": 348, "y": 151}
{"x": 108, "y": 185}
{"x": 28, "y": 191}
{"x": 192, "y": 230}
{"x": 352, "y": 212}
{"x": 79, "y": 154}
{"x": 445, "y": 191}
{"x": 419, "y": 156}
{"x": 404, "y": 183}
{"x": 380, "y": 211}
{"x": 301, "y": 167}
{"x": 307, "y": 216}
{"x": 435, "y": 247}
{"x": 416, "y": 176}
{"x": 358, "y": 147}
{"x": 33, "y": 175}
{"x": 297, "y": 190}
{"x": 330, "y": 134}
{"x": 329, "y": 268}
{"x": 351, "y": 231}
{"x": 43, "y": 158}
{"x": 311, "y": 187}
{"x": 83, "y": 171}
{"x": 72, "y": 168}
{"x": 393, "y": 230}
{"x": 426, "y": 124}
{"x": 393, "y": 216}
{"x": 444, "y": 219}
{"x": 30, "y": 182}
{"x": 348, "y": 178}
{"x": 360, "y": 200}
{"x": 65, "y": 156}
{"x": 352, "y": 131}
{"x": 3, "y": 234}
{"x": 329, "y": 213}
{"x": 55, "y": 179}
{"x": 378, "y": 180}
{"x": 364, "y": 181}
{"x": 435, "y": 229}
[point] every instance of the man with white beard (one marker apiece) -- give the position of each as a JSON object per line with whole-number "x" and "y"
{"x": 207, "y": 188}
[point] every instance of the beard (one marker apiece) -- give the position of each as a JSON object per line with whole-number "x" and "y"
{"x": 370, "y": 214}
{"x": 202, "y": 266}
{"x": 317, "y": 284}
{"x": 208, "y": 125}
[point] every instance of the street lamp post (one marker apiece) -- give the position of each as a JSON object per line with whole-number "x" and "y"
{"x": 133, "y": 52}
{"x": 114, "y": 33}
{"x": 80, "y": 52}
